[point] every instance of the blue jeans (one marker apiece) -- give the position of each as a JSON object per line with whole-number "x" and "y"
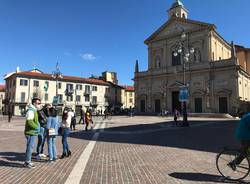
{"x": 52, "y": 147}
{"x": 66, "y": 132}
{"x": 41, "y": 140}
{"x": 29, "y": 147}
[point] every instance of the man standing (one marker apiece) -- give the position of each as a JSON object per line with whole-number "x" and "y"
{"x": 32, "y": 128}
{"x": 82, "y": 114}
{"x": 42, "y": 119}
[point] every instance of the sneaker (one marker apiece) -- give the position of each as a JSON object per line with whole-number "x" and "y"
{"x": 28, "y": 165}
{"x": 232, "y": 165}
{"x": 42, "y": 155}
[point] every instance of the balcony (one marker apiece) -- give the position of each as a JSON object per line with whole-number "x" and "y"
{"x": 87, "y": 92}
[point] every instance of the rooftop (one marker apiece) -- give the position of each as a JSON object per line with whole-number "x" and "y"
{"x": 30, "y": 74}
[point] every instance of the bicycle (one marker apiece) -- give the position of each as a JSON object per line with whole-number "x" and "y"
{"x": 228, "y": 169}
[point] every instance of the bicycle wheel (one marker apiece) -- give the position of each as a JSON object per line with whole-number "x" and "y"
{"x": 222, "y": 163}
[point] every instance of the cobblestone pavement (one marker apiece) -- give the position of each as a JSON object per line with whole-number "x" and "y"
{"x": 129, "y": 150}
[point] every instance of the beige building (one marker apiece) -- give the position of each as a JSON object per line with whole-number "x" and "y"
{"x": 2, "y": 97}
{"x": 119, "y": 96}
{"x": 128, "y": 97}
{"x": 75, "y": 92}
{"x": 217, "y": 74}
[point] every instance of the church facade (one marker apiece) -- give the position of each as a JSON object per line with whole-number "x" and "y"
{"x": 216, "y": 74}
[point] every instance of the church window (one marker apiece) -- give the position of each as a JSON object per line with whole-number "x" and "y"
{"x": 176, "y": 60}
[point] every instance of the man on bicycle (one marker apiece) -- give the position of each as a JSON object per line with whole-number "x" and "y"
{"x": 243, "y": 134}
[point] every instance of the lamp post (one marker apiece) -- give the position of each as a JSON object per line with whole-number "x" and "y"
{"x": 183, "y": 49}
{"x": 57, "y": 75}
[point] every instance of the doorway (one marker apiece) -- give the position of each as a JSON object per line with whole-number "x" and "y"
{"x": 198, "y": 105}
{"x": 175, "y": 101}
{"x": 142, "y": 104}
{"x": 157, "y": 106}
{"x": 223, "y": 105}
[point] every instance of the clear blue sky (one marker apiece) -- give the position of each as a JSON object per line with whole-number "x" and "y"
{"x": 91, "y": 36}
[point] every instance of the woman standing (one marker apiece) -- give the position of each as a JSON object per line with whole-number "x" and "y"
{"x": 52, "y": 131}
{"x": 66, "y": 122}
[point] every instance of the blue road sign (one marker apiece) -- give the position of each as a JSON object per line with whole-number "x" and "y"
{"x": 55, "y": 101}
{"x": 183, "y": 95}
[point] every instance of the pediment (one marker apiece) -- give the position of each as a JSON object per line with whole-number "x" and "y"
{"x": 175, "y": 28}
{"x": 177, "y": 25}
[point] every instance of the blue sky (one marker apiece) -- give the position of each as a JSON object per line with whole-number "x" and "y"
{"x": 91, "y": 36}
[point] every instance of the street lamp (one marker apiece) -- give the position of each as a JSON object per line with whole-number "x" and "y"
{"x": 57, "y": 75}
{"x": 183, "y": 49}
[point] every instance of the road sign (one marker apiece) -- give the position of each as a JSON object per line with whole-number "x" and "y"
{"x": 55, "y": 101}
{"x": 183, "y": 95}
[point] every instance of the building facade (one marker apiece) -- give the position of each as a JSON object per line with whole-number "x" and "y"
{"x": 2, "y": 98}
{"x": 78, "y": 93}
{"x": 217, "y": 74}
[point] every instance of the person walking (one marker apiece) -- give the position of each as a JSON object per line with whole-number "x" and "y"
{"x": 42, "y": 119}
{"x": 73, "y": 121}
{"x": 32, "y": 128}
{"x": 88, "y": 119}
{"x": 9, "y": 114}
{"x": 176, "y": 114}
{"x": 52, "y": 131}
{"x": 65, "y": 124}
{"x": 82, "y": 114}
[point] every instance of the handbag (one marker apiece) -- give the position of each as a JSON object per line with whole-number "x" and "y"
{"x": 51, "y": 131}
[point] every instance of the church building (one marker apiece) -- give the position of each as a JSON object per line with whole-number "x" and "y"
{"x": 191, "y": 53}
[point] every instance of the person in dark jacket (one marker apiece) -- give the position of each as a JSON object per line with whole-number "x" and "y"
{"x": 43, "y": 114}
{"x": 73, "y": 121}
{"x": 82, "y": 115}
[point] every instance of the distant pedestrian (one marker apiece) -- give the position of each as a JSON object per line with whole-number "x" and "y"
{"x": 52, "y": 131}
{"x": 73, "y": 121}
{"x": 88, "y": 119}
{"x": 65, "y": 124}
{"x": 82, "y": 115}
{"x": 176, "y": 114}
{"x": 32, "y": 128}
{"x": 9, "y": 114}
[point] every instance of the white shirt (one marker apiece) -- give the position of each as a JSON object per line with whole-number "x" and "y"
{"x": 66, "y": 124}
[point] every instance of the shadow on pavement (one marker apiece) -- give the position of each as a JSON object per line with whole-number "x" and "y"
{"x": 13, "y": 159}
{"x": 202, "y": 177}
{"x": 210, "y": 137}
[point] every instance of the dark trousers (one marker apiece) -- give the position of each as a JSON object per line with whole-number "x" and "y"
{"x": 244, "y": 152}
{"x": 81, "y": 119}
{"x": 73, "y": 126}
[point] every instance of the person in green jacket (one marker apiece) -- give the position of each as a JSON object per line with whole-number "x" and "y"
{"x": 32, "y": 128}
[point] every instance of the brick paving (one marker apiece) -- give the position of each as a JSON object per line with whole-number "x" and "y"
{"x": 163, "y": 155}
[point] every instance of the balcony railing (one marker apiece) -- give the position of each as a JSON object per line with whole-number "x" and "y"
{"x": 87, "y": 92}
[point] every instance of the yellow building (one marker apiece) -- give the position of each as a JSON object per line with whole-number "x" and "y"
{"x": 216, "y": 74}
